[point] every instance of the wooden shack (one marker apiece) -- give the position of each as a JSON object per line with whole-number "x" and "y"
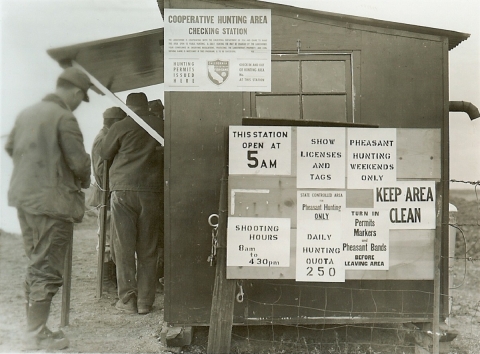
{"x": 326, "y": 68}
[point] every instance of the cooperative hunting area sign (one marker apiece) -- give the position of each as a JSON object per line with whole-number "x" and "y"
{"x": 217, "y": 50}
{"x": 326, "y": 204}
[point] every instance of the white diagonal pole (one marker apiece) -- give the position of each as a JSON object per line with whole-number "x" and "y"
{"x": 121, "y": 104}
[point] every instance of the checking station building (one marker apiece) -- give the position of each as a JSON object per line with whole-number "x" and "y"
{"x": 339, "y": 74}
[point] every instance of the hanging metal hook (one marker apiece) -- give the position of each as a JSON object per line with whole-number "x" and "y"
{"x": 240, "y": 294}
{"x": 210, "y": 220}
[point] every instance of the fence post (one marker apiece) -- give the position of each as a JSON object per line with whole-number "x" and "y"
{"x": 67, "y": 284}
{"x": 223, "y": 301}
{"x": 103, "y": 230}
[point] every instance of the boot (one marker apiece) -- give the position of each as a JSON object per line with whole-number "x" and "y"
{"x": 38, "y": 334}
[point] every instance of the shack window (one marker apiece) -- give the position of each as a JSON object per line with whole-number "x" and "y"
{"x": 310, "y": 87}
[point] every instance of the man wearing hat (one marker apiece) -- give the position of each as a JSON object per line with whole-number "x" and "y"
{"x": 110, "y": 116}
{"x": 50, "y": 169}
{"x": 136, "y": 182}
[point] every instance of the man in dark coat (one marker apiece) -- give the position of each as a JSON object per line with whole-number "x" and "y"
{"x": 110, "y": 116}
{"x": 136, "y": 182}
{"x": 50, "y": 169}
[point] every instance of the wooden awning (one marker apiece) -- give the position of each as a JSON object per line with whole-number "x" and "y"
{"x": 119, "y": 63}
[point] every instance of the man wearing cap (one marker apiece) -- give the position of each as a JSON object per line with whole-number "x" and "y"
{"x": 136, "y": 182}
{"x": 51, "y": 167}
{"x": 110, "y": 116}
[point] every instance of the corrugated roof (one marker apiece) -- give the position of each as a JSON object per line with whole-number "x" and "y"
{"x": 454, "y": 38}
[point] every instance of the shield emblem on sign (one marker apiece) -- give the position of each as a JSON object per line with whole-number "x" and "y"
{"x": 218, "y": 71}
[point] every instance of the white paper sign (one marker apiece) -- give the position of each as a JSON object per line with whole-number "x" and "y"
{"x": 366, "y": 239}
{"x": 319, "y": 236}
{"x": 260, "y": 150}
{"x": 217, "y": 50}
{"x": 410, "y": 204}
{"x": 372, "y": 157}
{"x": 320, "y": 157}
{"x": 258, "y": 242}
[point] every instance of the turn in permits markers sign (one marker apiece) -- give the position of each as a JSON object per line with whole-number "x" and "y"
{"x": 258, "y": 242}
{"x": 410, "y": 204}
{"x": 319, "y": 236}
{"x": 366, "y": 239}
{"x": 372, "y": 157}
{"x": 260, "y": 150}
{"x": 217, "y": 50}
{"x": 320, "y": 157}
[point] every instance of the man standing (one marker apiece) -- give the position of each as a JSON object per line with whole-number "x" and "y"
{"x": 50, "y": 169}
{"x": 110, "y": 116}
{"x": 136, "y": 182}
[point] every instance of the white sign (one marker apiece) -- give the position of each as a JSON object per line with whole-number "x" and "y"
{"x": 258, "y": 242}
{"x": 260, "y": 150}
{"x": 320, "y": 157}
{"x": 366, "y": 239}
{"x": 410, "y": 204}
{"x": 372, "y": 157}
{"x": 319, "y": 236}
{"x": 217, "y": 50}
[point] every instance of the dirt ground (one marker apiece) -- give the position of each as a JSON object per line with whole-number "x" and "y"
{"x": 97, "y": 327}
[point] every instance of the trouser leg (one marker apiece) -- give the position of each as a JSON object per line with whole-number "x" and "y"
{"x": 124, "y": 231}
{"x": 151, "y": 213}
{"x": 27, "y": 234}
{"x": 45, "y": 241}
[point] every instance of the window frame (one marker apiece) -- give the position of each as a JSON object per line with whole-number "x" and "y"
{"x": 349, "y": 82}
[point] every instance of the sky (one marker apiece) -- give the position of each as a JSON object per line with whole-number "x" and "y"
{"x": 30, "y": 27}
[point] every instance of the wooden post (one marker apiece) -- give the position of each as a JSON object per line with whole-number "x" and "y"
{"x": 67, "y": 284}
{"x": 223, "y": 301}
{"x": 103, "y": 230}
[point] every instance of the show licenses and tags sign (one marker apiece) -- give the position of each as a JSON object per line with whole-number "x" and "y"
{"x": 319, "y": 236}
{"x": 320, "y": 157}
{"x": 255, "y": 150}
{"x": 410, "y": 204}
{"x": 217, "y": 50}
{"x": 366, "y": 239}
{"x": 372, "y": 157}
{"x": 258, "y": 242}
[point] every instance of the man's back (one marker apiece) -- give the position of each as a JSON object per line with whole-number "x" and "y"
{"x": 137, "y": 157}
{"x": 50, "y": 161}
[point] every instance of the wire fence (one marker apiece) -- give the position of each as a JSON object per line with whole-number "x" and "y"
{"x": 328, "y": 318}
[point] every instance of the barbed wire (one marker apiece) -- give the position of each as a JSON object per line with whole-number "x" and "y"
{"x": 474, "y": 183}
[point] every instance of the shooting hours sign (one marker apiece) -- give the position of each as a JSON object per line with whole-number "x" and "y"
{"x": 258, "y": 242}
{"x": 260, "y": 150}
